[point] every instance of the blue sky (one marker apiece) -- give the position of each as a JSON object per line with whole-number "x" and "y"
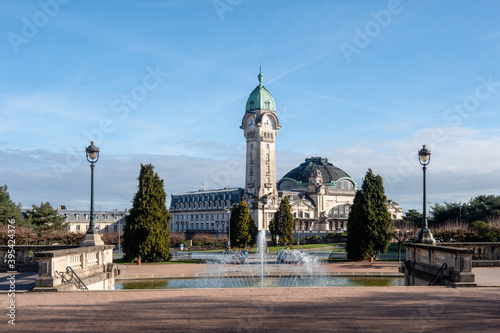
{"x": 363, "y": 83}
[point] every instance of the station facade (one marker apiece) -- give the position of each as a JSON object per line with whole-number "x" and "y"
{"x": 320, "y": 194}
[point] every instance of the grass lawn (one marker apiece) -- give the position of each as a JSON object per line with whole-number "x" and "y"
{"x": 394, "y": 247}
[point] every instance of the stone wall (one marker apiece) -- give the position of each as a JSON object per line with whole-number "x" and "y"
{"x": 449, "y": 266}
{"x": 92, "y": 264}
{"x": 26, "y": 261}
{"x": 484, "y": 254}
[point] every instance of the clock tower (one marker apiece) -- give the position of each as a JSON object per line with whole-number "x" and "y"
{"x": 260, "y": 125}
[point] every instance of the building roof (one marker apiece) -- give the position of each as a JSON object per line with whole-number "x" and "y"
{"x": 330, "y": 173}
{"x": 260, "y": 98}
{"x": 214, "y": 191}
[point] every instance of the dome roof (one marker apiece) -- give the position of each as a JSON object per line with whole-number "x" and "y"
{"x": 330, "y": 174}
{"x": 260, "y": 98}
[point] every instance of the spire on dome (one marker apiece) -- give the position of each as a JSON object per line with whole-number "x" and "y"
{"x": 260, "y": 98}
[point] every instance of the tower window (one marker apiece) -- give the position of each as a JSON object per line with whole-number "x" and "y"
{"x": 267, "y": 157}
{"x": 267, "y": 168}
{"x": 267, "y": 146}
{"x": 268, "y": 180}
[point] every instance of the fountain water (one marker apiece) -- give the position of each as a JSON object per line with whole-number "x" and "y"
{"x": 262, "y": 247}
{"x": 290, "y": 268}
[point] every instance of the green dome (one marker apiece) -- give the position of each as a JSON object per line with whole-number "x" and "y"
{"x": 260, "y": 98}
{"x": 333, "y": 177}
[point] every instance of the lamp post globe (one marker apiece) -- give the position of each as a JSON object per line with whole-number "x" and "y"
{"x": 425, "y": 235}
{"x": 92, "y": 237}
{"x": 92, "y": 152}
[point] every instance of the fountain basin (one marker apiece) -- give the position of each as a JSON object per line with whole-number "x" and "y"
{"x": 251, "y": 282}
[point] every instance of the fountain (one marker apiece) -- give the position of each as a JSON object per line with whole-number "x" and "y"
{"x": 290, "y": 268}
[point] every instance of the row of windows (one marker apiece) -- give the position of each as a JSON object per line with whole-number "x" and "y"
{"x": 301, "y": 215}
{"x": 105, "y": 217}
{"x": 309, "y": 225}
{"x": 336, "y": 212}
{"x": 79, "y": 227}
{"x": 207, "y": 217}
{"x": 184, "y": 226}
{"x": 205, "y": 197}
{"x": 203, "y": 205}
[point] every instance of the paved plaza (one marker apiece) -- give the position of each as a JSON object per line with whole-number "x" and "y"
{"x": 342, "y": 309}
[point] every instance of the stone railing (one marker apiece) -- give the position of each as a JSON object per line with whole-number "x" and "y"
{"x": 485, "y": 254}
{"x": 26, "y": 261}
{"x": 425, "y": 262}
{"x": 93, "y": 265}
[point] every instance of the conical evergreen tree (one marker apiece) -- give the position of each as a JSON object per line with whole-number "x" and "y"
{"x": 369, "y": 223}
{"x": 243, "y": 228}
{"x": 282, "y": 224}
{"x": 146, "y": 231}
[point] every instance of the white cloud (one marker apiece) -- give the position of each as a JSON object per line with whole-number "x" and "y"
{"x": 464, "y": 164}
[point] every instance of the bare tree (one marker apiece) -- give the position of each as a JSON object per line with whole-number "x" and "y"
{"x": 403, "y": 232}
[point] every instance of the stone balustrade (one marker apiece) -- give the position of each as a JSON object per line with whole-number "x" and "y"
{"x": 93, "y": 265}
{"x": 485, "y": 254}
{"x": 26, "y": 261}
{"x": 425, "y": 261}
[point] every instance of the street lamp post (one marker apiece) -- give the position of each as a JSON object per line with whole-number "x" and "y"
{"x": 228, "y": 229}
{"x": 119, "y": 237}
{"x": 92, "y": 237}
{"x": 425, "y": 235}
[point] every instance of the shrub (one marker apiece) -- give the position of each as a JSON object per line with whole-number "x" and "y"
{"x": 485, "y": 231}
{"x": 176, "y": 239}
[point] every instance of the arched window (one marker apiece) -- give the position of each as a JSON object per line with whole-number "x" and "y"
{"x": 344, "y": 185}
{"x": 287, "y": 185}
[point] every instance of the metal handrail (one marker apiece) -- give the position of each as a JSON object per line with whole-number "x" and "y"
{"x": 71, "y": 272}
{"x": 438, "y": 274}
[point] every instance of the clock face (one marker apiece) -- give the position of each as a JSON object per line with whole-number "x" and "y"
{"x": 267, "y": 123}
{"x": 250, "y": 123}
